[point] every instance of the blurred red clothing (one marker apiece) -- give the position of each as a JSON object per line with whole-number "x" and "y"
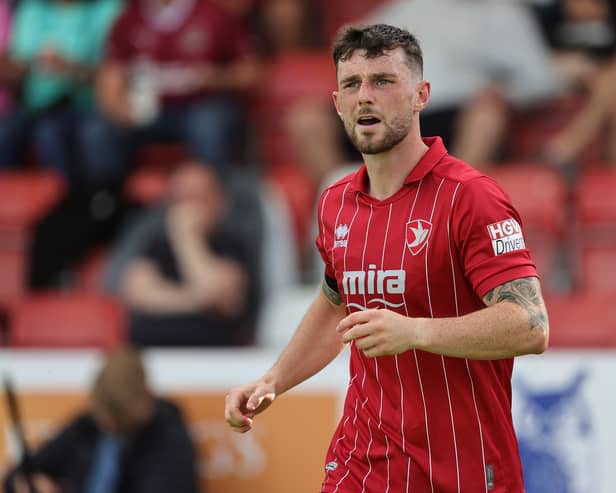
{"x": 173, "y": 44}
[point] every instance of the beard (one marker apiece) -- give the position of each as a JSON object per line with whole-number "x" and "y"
{"x": 395, "y": 132}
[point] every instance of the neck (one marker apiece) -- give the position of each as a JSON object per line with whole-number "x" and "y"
{"x": 387, "y": 171}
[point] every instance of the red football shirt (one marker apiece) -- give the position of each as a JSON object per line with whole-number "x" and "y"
{"x": 168, "y": 45}
{"x": 420, "y": 422}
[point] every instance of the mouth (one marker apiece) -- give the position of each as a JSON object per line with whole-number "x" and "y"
{"x": 368, "y": 121}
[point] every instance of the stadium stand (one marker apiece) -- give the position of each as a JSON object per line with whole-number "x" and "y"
{"x": 61, "y": 320}
{"x": 25, "y": 197}
{"x": 595, "y": 238}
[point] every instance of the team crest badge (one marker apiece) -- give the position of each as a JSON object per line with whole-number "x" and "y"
{"x": 417, "y": 234}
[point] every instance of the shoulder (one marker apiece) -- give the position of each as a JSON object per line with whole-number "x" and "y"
{"x": 472, "y": 183}
{"x": 168, "y": 413}
{"x": 80, "y": 428}
{"x": 452, "y": 168}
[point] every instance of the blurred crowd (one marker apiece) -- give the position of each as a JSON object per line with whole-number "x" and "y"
{"x": 168, "y": 153}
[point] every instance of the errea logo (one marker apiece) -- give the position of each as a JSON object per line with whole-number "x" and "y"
{"x": 341, "y": 234}
{"x": 506, "y": 236}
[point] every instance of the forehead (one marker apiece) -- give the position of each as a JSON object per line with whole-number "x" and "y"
{"x": 392, "y": 62}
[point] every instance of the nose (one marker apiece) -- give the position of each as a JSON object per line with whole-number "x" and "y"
{"x": 365, "y": 94}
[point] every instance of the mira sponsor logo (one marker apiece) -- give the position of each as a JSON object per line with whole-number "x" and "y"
{"x": 506, "y": 236}
{"x": 373, "y": 281}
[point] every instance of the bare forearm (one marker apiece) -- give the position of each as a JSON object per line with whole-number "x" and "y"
{"x": 239, "y": 76}
{"x": 499, "y": 331}
{"x": 515, "y": 322}
{"x": 194, "y": 257}
{"x": 314, "y": 344}
{"x": 144, "y": 289}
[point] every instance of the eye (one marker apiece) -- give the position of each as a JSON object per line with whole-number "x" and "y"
{"x": 351, "y": 85}
{"x": 382, "y": 82}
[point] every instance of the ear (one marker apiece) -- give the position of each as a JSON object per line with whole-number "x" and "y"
{"x": 422, "y": 92}
{"x": 337, "y": 103}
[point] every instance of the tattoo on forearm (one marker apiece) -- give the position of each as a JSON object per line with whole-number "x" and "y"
{"x": 332, "y": 295}
{"x": 525, "y": 292}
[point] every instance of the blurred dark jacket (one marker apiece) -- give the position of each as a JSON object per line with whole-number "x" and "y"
{"x": 160, "y": 458}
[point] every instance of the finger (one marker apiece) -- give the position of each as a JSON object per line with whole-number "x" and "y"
{"x": 357, "y": 332}
{"x": 236, "y": 419}
{"x": 366, "y": 343}
{"x": 241, "y": 429}
{"x": 355, "y": 318}
{"x": 373, "y": 352}
{"x": 258, "y": 398}
{"x": 233, "y": 414}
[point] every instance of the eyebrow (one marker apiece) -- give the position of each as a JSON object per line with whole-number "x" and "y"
{"x": 377, "y": 75}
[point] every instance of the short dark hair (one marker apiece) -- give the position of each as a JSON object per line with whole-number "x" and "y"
{"x": 376, "y": 39}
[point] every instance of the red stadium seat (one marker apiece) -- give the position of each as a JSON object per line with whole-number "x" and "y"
{"x": 595, "y": 197}
{"x": 540, "y": 196}
{"x": 538, "y": 193}
{"x": 598, "y": 270}
{"x": 154, "y": 163}
{"x": 58, "y": 320}
{"x": 12, "y": 276}
{"x": 147, "y": 185}
{"x": 582, "y": 321}
{"x": 26, "y": 196}
{"x": 595, "y": 233}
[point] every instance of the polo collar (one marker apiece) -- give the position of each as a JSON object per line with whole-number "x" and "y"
{"x": 436, "y": 151}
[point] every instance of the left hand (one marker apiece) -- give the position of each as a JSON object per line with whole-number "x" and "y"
{"x": 381, "y": 332}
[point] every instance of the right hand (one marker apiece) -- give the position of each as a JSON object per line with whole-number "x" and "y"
{"x": 243, "y": 403}
{"x": 42, "y": 483}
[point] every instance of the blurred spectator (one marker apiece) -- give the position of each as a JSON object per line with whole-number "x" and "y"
{"x": 194, "y": 283}
{"x": 173, "y": 71}
{"x": 309, "y": 122}
{"x": 485, "y": 58}
{"x": 55, "y": 47}
{"x": 582, "y": 35}
{"x": 6, "y": 77}
{"x": 129, "y": 441}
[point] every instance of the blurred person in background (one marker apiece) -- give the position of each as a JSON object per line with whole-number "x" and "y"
{"x": 582, "y": 36}
{"x": 295, "y": 26}
{"x": 128, "y": 441}
{"x": 7, "y": 76}
{"x": 54, "y": 50}
{"x": 194, "y": 282}
{"x": 484, "y": 58}
{"x": 173, "y": 70}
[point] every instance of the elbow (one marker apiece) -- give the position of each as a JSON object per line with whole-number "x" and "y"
{"x": 540, "y": 341}
{"x": 540, "y": 346}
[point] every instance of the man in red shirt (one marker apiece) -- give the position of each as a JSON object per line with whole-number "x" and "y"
{"x": 173, "y": 70}
{"x": 427, "y": 277}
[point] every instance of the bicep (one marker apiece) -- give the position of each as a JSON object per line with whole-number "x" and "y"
{"x": 526, "y": 293}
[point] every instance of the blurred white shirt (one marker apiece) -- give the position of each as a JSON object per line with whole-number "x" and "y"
{"x": 469, "y": 44}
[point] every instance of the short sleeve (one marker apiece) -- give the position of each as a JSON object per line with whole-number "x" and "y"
{"x": 324, "y": 233}
{"x": 489, "y": 236}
